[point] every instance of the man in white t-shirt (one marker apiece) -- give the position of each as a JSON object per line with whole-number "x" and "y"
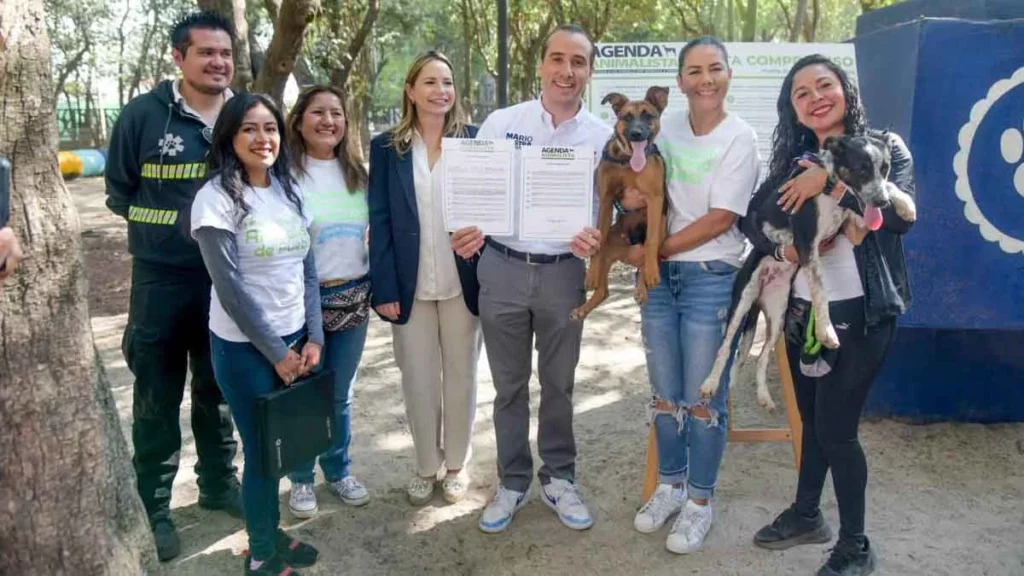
{"x": 527, "y": 291}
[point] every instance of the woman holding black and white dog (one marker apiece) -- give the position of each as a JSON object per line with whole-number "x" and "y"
{"x": 867, "y": 288}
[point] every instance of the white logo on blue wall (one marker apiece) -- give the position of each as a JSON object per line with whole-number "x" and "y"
{"x": 989, "y": 166}
{"x": 171, "y": 144}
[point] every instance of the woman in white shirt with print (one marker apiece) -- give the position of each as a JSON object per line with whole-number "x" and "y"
{"x": 333, "y": 180}
{"x": 265, "y": 322}
{"x": 712, "y": 168}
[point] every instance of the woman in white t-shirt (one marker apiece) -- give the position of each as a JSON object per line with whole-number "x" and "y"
{"x": 265, "y": 320}
{"x": 712, "y": 168}
{"x": 333, "y": 180}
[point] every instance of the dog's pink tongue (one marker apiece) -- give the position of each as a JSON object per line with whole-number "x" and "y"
{"x": 639, "y": 158}
{"x": 872, "y": 217}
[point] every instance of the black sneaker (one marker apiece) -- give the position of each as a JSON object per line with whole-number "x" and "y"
{"x": 275, "y": 566}
{"x": 229, "y": 502}
{"x": 168, "y": 545}
{"x": 850, "y": 558}
{"x": 293, "y": 552}
{"x": 791, "y": 529}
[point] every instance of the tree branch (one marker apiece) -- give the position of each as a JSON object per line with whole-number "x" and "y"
{"x": 291, "y": 23}
{"x": 339, "y": 76}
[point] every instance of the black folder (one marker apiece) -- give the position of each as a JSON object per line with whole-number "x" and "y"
{"x": 295, "y": 423}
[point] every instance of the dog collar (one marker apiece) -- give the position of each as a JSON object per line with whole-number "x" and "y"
{"x": 650, "y": 150}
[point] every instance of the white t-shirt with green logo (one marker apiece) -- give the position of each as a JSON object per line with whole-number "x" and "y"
{"x": 272, "y": 241}
{"x": 340, "y": 219}
{"x": 717, "y": 170}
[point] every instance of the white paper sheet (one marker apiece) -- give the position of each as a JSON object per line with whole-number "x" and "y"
{"x": 477, "y": 191}
{"x": 557, "y": 192}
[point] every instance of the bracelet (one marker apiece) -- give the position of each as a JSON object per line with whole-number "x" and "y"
{"x": 778, "y": 254}
{"x": 830, "y": 185}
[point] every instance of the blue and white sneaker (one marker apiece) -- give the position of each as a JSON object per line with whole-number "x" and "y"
{"x": 563, "y": 497}
{"x": 499, "y": 512}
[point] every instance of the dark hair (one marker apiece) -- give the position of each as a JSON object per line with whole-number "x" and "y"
{"x": 181, "y": 32}
{"x": 572, "y": 29}
{"x": 346, "y": 151}
{"x": 792, "y": 139}
{"x": 702, "y": 41}
{"x": 224, "y": 163}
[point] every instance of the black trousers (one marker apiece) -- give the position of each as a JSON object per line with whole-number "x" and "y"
{"x": 166, "y": 337}
{"x": 830, "y": 408}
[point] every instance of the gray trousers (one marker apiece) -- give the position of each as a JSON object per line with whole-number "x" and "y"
{"x": 517, "y": 302}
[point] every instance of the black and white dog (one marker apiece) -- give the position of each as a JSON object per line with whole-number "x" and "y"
{"x": 763, "y": 283}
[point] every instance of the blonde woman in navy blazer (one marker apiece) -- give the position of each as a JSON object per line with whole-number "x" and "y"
{"x": 427, "y": 292}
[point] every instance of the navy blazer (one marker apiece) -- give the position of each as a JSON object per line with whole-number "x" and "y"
{"x": 395, "y": 232}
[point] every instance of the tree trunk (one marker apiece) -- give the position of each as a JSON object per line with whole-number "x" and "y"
{"x": 67, "y": 490}
{"x": 303, "y": 74}
{"x": 467, "y": 60}
{"x": 234, "y": 11}
{"x": 289, "y": 29}
{"x": 798, "y": 21}
{"x": 349, "y": 57}
{"x": 750, "y": 22}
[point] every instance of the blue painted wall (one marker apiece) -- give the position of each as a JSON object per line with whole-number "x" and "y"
{"x": 960, "y": 350}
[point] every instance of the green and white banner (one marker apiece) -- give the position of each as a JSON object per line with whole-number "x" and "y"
{"x": 757, "y": 73}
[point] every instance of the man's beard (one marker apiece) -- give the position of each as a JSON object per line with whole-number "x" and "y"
{"x": 208, "y": 90}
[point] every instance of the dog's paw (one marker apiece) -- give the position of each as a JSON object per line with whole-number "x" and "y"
{"x": 652, "y": 277}
{"x": 765, "y": 401}
{"x": 577, "y": 314}
{"x": 827, "y": 336}
{"x": 906, "y": 210}
{"x": 708, "y": 389}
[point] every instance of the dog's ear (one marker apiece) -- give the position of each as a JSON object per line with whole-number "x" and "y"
{"x": 658, "y": 97}
{"x": 831, "y": 143}
{"x": 617, "y": 100}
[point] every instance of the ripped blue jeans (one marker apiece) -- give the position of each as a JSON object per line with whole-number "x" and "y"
{"x": 683, "y": 324}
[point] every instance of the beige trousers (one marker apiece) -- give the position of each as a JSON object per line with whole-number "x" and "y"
{"x": 437, "y": 352}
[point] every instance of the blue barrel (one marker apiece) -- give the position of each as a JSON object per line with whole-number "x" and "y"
{"x": 954, "y": 90}
{"x": 93, "y": 161}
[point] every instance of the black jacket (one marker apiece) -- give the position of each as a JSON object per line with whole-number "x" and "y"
{"x": 155, "y": 165}
{"x": 395, "y": 232}
{"x": 880, "y": 259}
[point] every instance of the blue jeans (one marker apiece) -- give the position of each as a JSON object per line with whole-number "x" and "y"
{"x": 683, "y": 324}
{"x": 342, "y": 352}
{"x": 243, "y": 373}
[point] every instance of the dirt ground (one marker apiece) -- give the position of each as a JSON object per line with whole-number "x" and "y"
{"x": 942, "y": 498}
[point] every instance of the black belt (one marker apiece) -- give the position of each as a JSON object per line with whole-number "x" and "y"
{"x": 527, "y": 257}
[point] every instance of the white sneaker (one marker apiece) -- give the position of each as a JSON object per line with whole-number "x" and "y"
{"x": 665, "y": 502}
{"x": 455, "y": 486}
{"x": 499, "y": 512}
{"x": 350, "y": 491}
{"x": 690, "y": 528}
{"x": 563, "y": 497}
{"x": 420, "y": 490}
{"x": 302, "y": 501}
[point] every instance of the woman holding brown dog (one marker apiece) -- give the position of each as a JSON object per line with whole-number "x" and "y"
{"x": 867, "y": 288}
{"x": 712, "y": 168}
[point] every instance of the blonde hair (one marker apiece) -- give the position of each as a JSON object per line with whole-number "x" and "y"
{"x": 454, "y": 119}
{"x": 347, "y": 151}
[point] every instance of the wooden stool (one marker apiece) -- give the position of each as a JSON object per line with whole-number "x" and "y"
{"x": 792, "y": 434}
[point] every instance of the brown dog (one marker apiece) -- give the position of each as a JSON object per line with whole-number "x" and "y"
{"x": 629, "y": 160}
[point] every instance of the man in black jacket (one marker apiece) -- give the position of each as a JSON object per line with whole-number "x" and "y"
{"x": 156, "y": 164}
